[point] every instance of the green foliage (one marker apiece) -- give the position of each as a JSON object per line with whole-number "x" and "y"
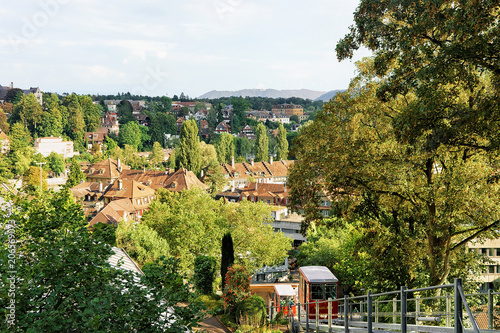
{"x": 19, "y": 137}
{"x": 282, "y": 144}
{"x": 56, "y": 162}
{"x": 208, "y": 154}
{"x": 110, "y": 143}
{"x": 141, "y": 242}
{"x": 214, "y": 177}
{"x": 75, "y": 175}
{"x": 252, "y": 311}
{"x": 419, "y": 205}
{"x": 28, "y": 111}
{"x": 236, "y": 288}
{"x": 213, "y": 302}
{"x": 193, "y": 224}
{"x": 130, "y": 134}
{"x": 125, "y": 112}
{"x": 261, "y": 144}
{"x": 105, "y": 233}
{"x": 188, "y": 153}
{"x": 64, "y": 282}
{"x": 75, "y": 126}
{"x": 156, "y": 156}
{"x": 225, "y": 147}
{"x": 204, "y": 274}
{"x": 438, "y": 51}
{"x": 32, "y": 180}
{"x": 91, "y": 113}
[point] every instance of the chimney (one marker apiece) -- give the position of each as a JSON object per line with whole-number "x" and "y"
{"x": 232, "y": 161}
{"x": 119, "y": 164}
{"x": 232, "y": 186}
{"x": 120, "y": 184}
{"x": 271, "y": 160}
{"x": 201, "y": 174}
{"x": 11, "y": 85}
{"x": 256, "y": 186}
{"x": 251, "y": 161}
{"x": 100, "y": 186}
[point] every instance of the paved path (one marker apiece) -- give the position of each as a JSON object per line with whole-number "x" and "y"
{"x": 211, "y": 325}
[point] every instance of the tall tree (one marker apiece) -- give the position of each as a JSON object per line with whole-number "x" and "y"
{"x": 188, "y": 154}
{"x": 52, "y": 120}
{"x": 19, "y": 137}
{"x": 91, "y": 113}
{"x": 75, "y": 175}
{"x": 125, "y": 112}
{"x": 225, "y": 147}
{"x": 130, "y": 134}
{"x": 433, "y": 201}
{"x": 282, "y": 144}
{"x": 441, "y": 49}
{"x": 227, "y": 256}
{"x": 207, "y": 153}
{"x": 75, "y": 127}
{"x": 28, "y": 111}
{"x": 156, "y": 154}
{"x": 56, "y": 162}
{"x": 261, "y": 144}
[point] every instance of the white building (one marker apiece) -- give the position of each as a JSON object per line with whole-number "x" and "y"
{"x": 47, "y": 145}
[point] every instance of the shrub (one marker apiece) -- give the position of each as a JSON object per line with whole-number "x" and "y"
{"x": 204, "y": 274}
{"x": 213, "y": 302}
{"x": 237, "y": 287}
{"x": 252, "y": 311}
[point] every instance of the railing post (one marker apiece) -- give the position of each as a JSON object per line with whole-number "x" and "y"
{"x": 448, "y": 310}
{"x": 329, "y": 315}
{"x": 346, "y": 314}
{"x": 317, "y": 316}
{"x": 376, "y": 311}
{"x": 458, "y": 307}
{"x": 307, "y": 317}
{"x": 369, "y": 312}
{"x": 394, "y": 310}
{"x": 403, "y": 310}
{"x": 490, "y": 309}
{"x": 417, "y": 309}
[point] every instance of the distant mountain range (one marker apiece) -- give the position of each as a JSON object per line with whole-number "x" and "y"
{"x": 272, "y": 93}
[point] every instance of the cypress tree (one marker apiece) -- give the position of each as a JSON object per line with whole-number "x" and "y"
{"x": 189, "y": 154}
{"x": 227, "y": 259}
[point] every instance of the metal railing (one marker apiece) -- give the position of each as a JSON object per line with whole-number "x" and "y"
{"x": 403, "y": 310}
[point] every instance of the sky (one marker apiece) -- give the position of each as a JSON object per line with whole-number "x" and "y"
{"x": 165, "y": 47}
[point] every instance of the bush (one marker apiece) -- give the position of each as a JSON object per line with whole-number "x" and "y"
{"x": 237, "y": 287}
{"x": 204, "y": 274}
{"x": 252, "y": 311}
{"x": 213, "y": 302}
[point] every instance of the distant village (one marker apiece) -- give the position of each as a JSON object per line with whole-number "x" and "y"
{"x": 114, "y": 192}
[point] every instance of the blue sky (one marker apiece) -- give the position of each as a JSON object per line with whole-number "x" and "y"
{"x": 168, "y": 47}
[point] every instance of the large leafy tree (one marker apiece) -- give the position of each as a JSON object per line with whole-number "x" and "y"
{"x": 28, "y": 111}
{"x": 261, "y": 143}
{"x": 130, "y": 134}
{"x": 441, "y": 48}
{"x": 52, "y": 123}
{"x": 352, "y": 154}
{"x": 125, "y": 112}
{"x": 188, "y": 154}
{"x": 63, "y": 281}
{"x": 193, "y": 224}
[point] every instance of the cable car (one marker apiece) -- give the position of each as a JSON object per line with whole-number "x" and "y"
{"x": 317, "y": 283}
{"x": 285, "y": 299}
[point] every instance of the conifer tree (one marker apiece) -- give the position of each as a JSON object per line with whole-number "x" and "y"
{"x": 227, "y": 256}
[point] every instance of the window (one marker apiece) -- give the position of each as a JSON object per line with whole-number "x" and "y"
{"x": 331, "y": 291}
{"x": 491, "y": 269}
{"x": 316, "y": 291}
{"x": 326, "y": 213}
